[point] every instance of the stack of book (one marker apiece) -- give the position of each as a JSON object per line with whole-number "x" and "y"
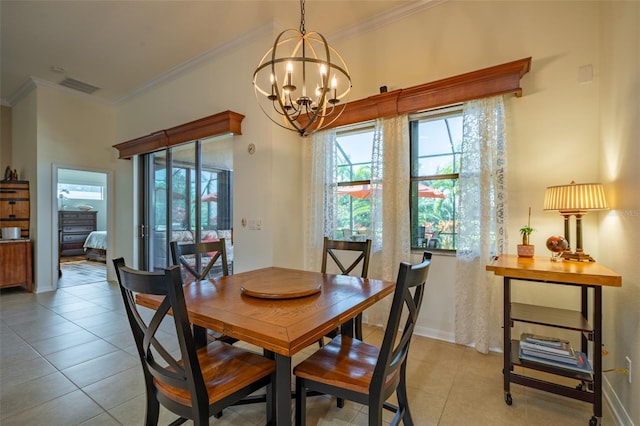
{"x": 553, "y": 352}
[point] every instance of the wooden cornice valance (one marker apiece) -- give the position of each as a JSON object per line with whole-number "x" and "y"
{"x": 217, "y": 124}
{"x": 484, "y": 83}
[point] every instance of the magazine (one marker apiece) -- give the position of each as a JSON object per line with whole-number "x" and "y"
{"x": 550, "y": 345}
{"x": 582, "y": 366}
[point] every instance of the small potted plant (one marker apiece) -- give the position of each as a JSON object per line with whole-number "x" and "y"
{"x": 525, "y": 249}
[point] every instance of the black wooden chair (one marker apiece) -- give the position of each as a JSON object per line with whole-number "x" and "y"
{"x": 198, "y": 383}
{"x": 434, "y": 240}
{"x": 332, "y": 249}
{"x": 351, "y": 369}
{"x": 192, "y": 256}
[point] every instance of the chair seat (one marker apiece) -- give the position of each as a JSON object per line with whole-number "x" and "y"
{"x": 225, "y": 369}
{"x": 344, "y": 362}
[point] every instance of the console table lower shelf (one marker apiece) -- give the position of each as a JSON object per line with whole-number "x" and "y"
{"x": 582, "y": 392}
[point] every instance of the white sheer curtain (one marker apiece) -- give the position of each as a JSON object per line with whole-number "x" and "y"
{"x": 320, "y": 190}
{"x": 482, "y": 218}
{"x": 389, "y": 201}
{"x": 389, "y": 207}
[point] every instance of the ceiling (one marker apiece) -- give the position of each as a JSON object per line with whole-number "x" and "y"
{"x": 124, "y": 46}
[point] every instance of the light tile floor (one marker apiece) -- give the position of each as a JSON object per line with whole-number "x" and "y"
{"x": 67, "y": 358}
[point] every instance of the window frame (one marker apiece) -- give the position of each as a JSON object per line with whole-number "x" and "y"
{"x": 414, "y": 121}
{"x": 364, "y": 127}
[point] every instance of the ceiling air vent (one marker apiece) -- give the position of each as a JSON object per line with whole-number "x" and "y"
{"x": 78, "y": 85}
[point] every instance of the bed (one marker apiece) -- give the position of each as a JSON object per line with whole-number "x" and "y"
{"x": 95, "y": 246}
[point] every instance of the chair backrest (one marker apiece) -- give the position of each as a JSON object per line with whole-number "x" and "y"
{"x": 191, "y": 257}
{"x": 434, "y": 240}
{"x": 332, "y": 247}
{"x": 157, "y": 361}
{"x": 407, "y": 300}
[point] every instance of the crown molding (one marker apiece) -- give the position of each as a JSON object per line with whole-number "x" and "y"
{"x": 185, "y": 67}
{"x": 271, "y": 27}
{"x": 35, "y": 82}
{"x": 22, "y": 91}
{"x": 268, "y": 28}
{"x": 382, "y": 19}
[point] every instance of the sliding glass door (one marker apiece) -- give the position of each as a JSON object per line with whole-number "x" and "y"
{"x": 187, "y": 197}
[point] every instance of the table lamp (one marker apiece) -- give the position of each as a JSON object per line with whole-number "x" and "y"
{"x": 575, "y": 199}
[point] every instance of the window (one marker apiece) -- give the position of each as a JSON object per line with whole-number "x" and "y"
{"x": 354, "y": 146}
{"x": 80, "y": 192}
{"x": 188, "y": 196}
{"x": 436, "y": 139}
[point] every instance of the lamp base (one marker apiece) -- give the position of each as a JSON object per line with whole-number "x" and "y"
{"x": 578, "y": 256}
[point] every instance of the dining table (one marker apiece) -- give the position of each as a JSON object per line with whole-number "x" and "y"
{"x": 281, "y": 310}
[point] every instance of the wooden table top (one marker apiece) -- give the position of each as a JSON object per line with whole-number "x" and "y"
{"x": 543, "y": 269}
{"x": 283, "y": 326}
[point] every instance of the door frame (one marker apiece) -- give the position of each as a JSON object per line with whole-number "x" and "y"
{"x": 55, "y": 246}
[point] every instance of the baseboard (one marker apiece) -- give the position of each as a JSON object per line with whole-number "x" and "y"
{"x": 434, "y": 334}
{"x": 615, "y": 405}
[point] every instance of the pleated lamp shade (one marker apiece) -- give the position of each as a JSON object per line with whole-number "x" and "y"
{"x": 575, "y": 197}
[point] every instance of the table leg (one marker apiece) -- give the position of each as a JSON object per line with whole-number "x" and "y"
{"x": 283, "y": 390}
{"x": 347, "y": 328}
{"x": 597, "y": 350}
{"x": 506, "y": 367}
{"x": 199, "y": 336}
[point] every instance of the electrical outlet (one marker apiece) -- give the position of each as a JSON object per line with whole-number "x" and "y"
{"x": 627, "y": 363}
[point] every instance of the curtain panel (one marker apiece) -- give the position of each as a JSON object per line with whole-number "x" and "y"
{"x": 389, "y": 202}
{"x": 482, "y": 217}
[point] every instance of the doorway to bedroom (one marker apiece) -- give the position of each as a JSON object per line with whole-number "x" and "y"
{"x": 82, "y": 217}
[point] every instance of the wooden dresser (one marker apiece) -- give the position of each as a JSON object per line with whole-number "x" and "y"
{"x": 75, "y": 227}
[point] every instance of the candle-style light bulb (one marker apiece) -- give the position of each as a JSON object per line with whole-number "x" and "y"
{"x": 272, "y": 97}
{"x": 289, "y": 73}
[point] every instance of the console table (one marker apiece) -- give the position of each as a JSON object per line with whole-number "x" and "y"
{"x": 588, "y": 276}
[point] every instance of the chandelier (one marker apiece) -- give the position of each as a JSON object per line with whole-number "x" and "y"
{"x": 303, "y": 79}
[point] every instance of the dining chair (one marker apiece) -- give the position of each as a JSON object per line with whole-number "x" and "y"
{"x": 331, "y": 249}
{"x": 197, "y": 382}
{"x": 434, "y": 240}
{"x": 351, "y": 369}
{"x": 191, "y": 257}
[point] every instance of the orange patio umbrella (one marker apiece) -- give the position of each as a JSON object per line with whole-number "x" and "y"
{"x": 209, "y": 197}
{"x": 364, "y": 191}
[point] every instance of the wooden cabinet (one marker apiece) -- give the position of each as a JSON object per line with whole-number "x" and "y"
{"x": 75, "y": 227}
{"x": 15, "y": 264}
{"x": 14, "y": 205}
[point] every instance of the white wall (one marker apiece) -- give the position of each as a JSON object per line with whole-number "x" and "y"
{"x": 5, "y": 137}
{"x": 64, "y": 129}
{"x": 619, "y": 232}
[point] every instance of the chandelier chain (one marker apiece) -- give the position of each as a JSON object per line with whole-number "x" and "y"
{"x": 302, "y": 30}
